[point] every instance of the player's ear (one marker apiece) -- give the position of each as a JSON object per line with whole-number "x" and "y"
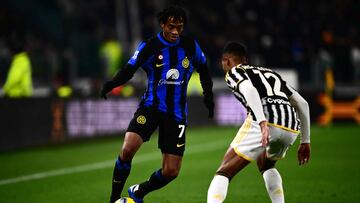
{"x": 227, "y": 64}
{"x": 245, "y": 60}
{"x": 162, "y": 25}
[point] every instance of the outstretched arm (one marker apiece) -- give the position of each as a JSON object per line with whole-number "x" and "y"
{"x": 124, "y": 75}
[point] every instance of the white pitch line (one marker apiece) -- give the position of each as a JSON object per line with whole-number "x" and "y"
{"x": 211, "y": 146}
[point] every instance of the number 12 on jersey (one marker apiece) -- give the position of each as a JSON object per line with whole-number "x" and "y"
{"x": 271, "y": 90}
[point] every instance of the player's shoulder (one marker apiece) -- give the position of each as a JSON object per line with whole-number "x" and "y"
{"x": 151, "y": 44}
{"x": 187, "y": 39}
{"x": 240, "y": 68}
{"x": 188, "y": 43}
{"x": 248, "y": 68}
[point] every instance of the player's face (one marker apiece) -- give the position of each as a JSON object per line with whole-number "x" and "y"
{"x": 172, "y": 29}
{"x": 227, "y": 62}
{"x": 230, "y": 60}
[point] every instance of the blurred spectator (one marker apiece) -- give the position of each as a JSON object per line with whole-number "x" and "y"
{"x": 279, "y": 33}
{"x": 111, "y": 55}
{"x": 19, "y": 81}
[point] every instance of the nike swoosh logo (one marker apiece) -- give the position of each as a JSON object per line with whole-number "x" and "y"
{"x": 159, "y": 65}
{"x": 115, "y": 181}
{"x": 180, "y": 145}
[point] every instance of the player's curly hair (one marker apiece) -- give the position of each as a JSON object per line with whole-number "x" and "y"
{"x": 172, "y": 11}
{"x": 235, "y": 48}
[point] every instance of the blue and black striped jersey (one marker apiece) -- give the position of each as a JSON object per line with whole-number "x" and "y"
{"x": 168, "y": 67}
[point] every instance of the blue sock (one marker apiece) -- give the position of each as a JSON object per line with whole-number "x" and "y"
{"x": 120, "y": 174}
{"x": 155, "y": 182}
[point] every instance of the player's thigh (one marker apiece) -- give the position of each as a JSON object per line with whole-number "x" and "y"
{"x": 172, "y": 135}
{"x": 265, "y": 163}
{"x": 247, "y": 142}
{"x": 130, "y": 146}
{"x": 232, "y": 163}
{"x": 280, "y": 141}
{"x": 144, "y": 122}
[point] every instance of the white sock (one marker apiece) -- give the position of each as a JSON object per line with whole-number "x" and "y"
{"x": 273, "y": 185}
{"x": 218, "y": 189}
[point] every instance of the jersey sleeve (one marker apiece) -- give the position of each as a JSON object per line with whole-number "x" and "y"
{"x": 203, "y": 70}
{"x": 140, "y": 56}
{"x": 302, "y": 108}
{"x": 240, "y": 83}
{"x": 234, "y": 77}
{"x": 200, "y": 57}
{"x": 126, "y": 73}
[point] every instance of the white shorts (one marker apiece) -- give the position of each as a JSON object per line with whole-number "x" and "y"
{"x": 247, "y": 142}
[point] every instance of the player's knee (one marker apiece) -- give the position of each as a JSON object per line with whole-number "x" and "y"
{"x": 170, "y": 173}
{"x": 224, "y": 173}
{"x": 127, "y": 154}
{"x": 266, "y": 167}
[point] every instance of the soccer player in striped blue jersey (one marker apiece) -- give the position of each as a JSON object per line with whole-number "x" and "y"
{"x": 169, "y": 58}
{"x": 273, "y": 123}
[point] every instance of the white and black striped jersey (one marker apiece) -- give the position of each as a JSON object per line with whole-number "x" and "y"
{"x": 273, "y": 91}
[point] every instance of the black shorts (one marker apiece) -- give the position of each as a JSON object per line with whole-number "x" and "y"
{"x": 171, "y": 132}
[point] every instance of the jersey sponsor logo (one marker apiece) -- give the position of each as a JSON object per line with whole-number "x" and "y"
{"x": 185, "y": 62}
{"x": 166, "y": 82}
{"x": 171, "y": 76}
{"x": 159, "y": 65}
{"x": 277, "y": 101}
{"x": 179, "y": 145}
{"x": 141, "y": 119}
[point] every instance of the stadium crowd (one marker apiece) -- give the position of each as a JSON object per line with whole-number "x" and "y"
{"x": 63, "y": 38}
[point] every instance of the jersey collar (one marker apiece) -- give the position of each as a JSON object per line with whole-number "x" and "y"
{"x": 163, "y": 40}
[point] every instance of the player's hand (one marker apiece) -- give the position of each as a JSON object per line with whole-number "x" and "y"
{"x": 209, "y": 103}
{"x": 264, "y": 133}
{"x": 107, "y": 87}
{"x": 304, "y": 153}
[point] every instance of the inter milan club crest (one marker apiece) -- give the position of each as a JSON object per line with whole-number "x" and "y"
{"x": 160, "y": 57}
{"x": 141, "y": 119}
{"x": 185, "y": 62}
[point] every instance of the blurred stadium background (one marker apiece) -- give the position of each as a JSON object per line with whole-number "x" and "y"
{"x": 75, "y": 45}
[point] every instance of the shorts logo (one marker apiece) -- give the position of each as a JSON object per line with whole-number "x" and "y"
{"x": 160, "y": 57}
{"x": 185, "y": 63}
{"x": 180, "y": 145}
{"x": 141, "y": 119}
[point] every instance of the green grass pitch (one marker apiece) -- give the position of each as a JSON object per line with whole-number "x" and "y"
{"x": 81, "y": 171}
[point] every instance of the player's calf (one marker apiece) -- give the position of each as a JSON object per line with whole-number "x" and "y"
{"x": 218, "y": 189}
{"x": 155, "y": 182}
{"x": 120, "y": 174}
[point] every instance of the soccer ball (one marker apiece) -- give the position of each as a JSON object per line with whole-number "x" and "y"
{"x": 125, "y": 200}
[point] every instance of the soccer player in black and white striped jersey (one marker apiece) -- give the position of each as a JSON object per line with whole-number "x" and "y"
{"x": 273, "y": 123}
